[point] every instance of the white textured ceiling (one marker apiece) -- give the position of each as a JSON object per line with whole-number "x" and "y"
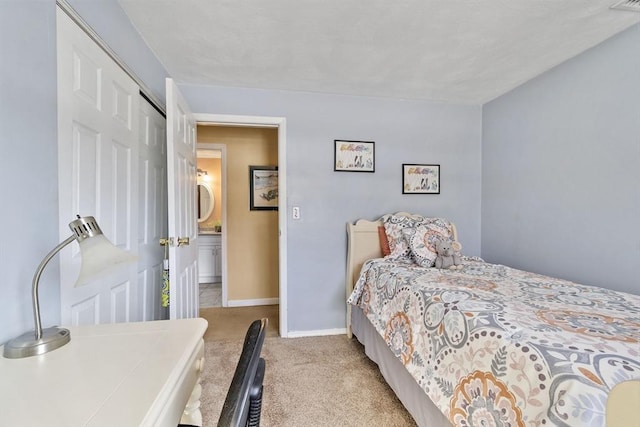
{"x": 459, "y": 51}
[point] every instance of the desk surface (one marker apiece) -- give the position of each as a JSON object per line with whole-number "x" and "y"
{"x": 124, "y": 374}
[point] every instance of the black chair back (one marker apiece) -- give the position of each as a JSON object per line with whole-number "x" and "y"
{"x": 243, "y": 404}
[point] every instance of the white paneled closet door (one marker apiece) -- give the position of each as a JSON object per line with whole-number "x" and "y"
{"x": 98, "y": 106}
{"x": 183, "y": 226}
{"x": 152, "y": 212}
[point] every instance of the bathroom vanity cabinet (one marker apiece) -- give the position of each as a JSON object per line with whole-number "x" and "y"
{"x": 210, "y": 258}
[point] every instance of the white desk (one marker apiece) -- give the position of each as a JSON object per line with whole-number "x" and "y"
{"x": 117, "y": 375}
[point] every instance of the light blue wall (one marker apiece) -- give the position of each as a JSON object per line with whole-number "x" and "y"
{"x": 403, "y": 131}
{"x": 561, "y": 170}
{"x": 28, "y": 144}
{"x": 560, "y": 155}
{"x": 28, "y": 166}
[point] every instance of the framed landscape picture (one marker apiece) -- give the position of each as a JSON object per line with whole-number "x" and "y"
{"x": 263, "y": 188}
{"x": 420, "y": 179}
{"x": 353, "y": 156}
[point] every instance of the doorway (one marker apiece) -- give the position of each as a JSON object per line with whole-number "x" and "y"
{"x": 252, "y": 240}
{"x": 278, "y": 123}
{"x": 210, "y": 206}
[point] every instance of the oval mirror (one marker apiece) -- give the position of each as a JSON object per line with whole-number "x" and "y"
{"x": 206, "y": 202}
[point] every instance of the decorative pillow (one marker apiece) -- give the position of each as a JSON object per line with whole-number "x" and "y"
{"x": 393, "y": 226}
{"x": 442, "y": 228}
{"x": 422, "y": 239}
{"x": 384, "y": 243}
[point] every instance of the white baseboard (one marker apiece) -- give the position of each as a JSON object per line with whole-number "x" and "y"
{"x": 317, "y": 333}
{"x": 250, "y": 302}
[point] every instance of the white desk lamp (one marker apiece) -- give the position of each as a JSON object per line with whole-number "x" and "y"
{"x": 98, "y": 255}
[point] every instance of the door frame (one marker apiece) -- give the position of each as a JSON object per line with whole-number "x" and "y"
{"x": 280, "y": 124}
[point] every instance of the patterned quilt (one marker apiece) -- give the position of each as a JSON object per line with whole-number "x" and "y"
{"x": 496, "y": 346}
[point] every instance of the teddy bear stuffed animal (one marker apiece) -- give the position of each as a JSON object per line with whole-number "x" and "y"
{"x": 448, "y": 257}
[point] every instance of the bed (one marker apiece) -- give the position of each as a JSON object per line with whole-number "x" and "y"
{"x": 488, "y": 344}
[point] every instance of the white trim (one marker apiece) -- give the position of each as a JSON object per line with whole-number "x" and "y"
{"x": 281, "y": 124}
{"x": 282, "y": 219}
{"x": 251, "y": 302}
{"x": 206, "y": 146}
{"x": 317, "y": 333}
{"x": 214, "y": 153}
{"x": 241, "y": 121}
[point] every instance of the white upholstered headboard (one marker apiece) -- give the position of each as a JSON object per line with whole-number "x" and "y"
{"x": 363, "y": 243}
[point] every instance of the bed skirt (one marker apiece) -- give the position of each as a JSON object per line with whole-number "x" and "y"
{"x": 421, "y": 408}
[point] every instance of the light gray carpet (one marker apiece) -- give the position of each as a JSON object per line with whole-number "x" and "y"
{"x": 318, "y": 381}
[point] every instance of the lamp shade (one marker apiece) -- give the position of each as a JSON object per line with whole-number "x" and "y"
{"x": 100, "y": 256}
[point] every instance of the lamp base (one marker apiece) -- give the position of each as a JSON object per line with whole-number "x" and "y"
{"x": 26, "y": 345}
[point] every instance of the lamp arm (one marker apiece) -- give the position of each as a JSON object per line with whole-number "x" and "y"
{"x": 36, "y": 281}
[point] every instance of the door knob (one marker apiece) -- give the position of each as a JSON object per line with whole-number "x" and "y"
{"x": 183, "y": 241}
{"x": 166, "y": 241}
